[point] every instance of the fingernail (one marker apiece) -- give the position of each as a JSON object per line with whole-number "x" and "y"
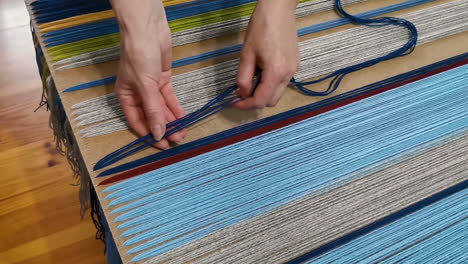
{"x": 157, "y": 132}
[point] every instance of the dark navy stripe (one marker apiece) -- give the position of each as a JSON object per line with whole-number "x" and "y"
{"x": 49, "y": 11}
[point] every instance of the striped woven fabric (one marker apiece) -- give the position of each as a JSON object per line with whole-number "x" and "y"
{"x": 377, "y": 172}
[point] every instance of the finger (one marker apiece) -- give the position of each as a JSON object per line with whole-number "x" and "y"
{"x": 171, "y": 101}
{"x": 277, "y": 94}
{"x": 263, "y": 94}
{"x": 176, "y": 137}
{"x": 246, "y": 73}
{"x": 154, "y": 111}
{"x": 174, "y": 106}
{"x": 162, "y": 144}
{"x": 136, "y": 119}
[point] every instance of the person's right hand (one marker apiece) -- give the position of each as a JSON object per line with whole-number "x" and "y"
{"x": 143, "y": 85}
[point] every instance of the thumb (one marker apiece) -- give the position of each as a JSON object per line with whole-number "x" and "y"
{"x": 153, "y": 106}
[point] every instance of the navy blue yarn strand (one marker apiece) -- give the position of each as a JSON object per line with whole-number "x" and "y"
{"x": 338, "y": 76}
{"x": 43, "y": 4}
{"x": 148, "y": 140}
{"x": 118, "y": 154}
{"x": 46, "y": 8}
{"x": 214, "y": 106}
{"x": 171, "y": 128}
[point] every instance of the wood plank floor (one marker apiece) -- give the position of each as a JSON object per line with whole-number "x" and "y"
{"x": 39, "y": 208}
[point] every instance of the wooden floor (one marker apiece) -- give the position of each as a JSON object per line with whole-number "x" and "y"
{"x": 39, "y": 209}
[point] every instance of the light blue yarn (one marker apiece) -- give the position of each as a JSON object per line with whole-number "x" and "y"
{"x": 416, "y": 238}
{"x": 161, "y": 200}
{"x": 322, "y": 122}
{"x": 432, "y": 116}
{"x": 250, "y": 209}
{"x": 189, "y": 195}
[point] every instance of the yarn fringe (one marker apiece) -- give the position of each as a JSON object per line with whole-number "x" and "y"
{"x": 66, "y": 144}
{"x": 96, "y": 216}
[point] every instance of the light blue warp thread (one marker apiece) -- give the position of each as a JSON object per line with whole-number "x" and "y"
{"x": 206, "y": 197}
{"x": 134, "y": 221}
{"x": 432, "y": 233}
{"x": 325, "y": 124}
{"x": 263, "y": 140}
{"x": 236, "y": 48}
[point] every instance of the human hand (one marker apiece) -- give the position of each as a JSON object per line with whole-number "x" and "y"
{"x": 271, "y": 46}
{"x": 143, "y": 85}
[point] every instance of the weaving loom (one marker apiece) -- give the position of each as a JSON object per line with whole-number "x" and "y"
{"x": 374, "y": 171}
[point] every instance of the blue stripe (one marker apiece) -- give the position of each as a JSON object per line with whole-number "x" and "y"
{"x": 55, "y": 41}
{"x": 57, "y": 34}
{"x": 95, "y": 83}
{"x": 52, "y": 11}
{"x": 70, "y": 12}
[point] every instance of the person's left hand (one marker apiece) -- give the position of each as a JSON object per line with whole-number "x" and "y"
{"x": 271, "y": 46}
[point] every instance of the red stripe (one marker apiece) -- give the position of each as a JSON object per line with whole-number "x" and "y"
{"x": 228, "y": 141}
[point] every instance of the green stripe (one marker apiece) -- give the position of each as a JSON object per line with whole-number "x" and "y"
{"x": 83, "y": 46}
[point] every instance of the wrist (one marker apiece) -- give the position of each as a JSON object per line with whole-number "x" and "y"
{"x": 288, "y": 6}
{"x": 136, "y": 21}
